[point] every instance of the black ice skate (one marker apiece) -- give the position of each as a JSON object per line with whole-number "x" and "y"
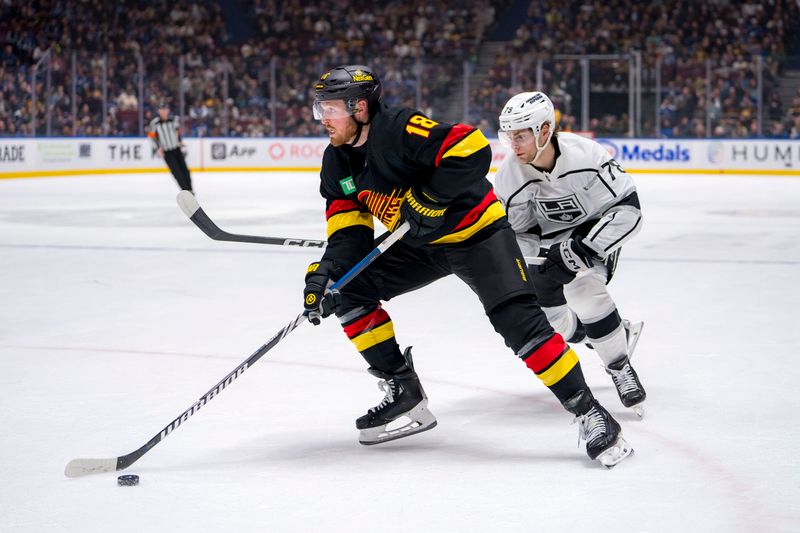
{"x": 598, "y": 428}
{"x": 629, "y": 388}
{"x": 402, "y": 412}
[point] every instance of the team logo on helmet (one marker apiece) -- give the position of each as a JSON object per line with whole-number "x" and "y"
{"x": 359, "y": 75}
{"x": 535, "y": 98}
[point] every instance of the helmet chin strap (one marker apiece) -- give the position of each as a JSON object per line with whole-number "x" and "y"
{"x": 359, "y": 128}
{"x": 540, "y": 149}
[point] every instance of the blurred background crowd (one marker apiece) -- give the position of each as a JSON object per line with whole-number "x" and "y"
{"x": 722, "y": 68}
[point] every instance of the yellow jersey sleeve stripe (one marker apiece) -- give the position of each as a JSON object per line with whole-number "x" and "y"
{"x": 468, "y": 145}
{"x": 350, "y": 218}
{"x": 560, "y": 368}
{"x": 370, "y": 338}
{"x": 494, "y": 212}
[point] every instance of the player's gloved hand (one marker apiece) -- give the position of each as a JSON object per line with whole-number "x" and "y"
{"x": 423, "y": 210}
{"x": 566, "y": 259}
{"x": 319, "y": 304}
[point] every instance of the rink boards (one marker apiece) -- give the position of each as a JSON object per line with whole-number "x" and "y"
{"x": 41, "y": 157}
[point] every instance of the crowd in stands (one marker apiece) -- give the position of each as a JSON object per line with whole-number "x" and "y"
{"x": 679, "y": 38}
{"x": 181, "y": 47}
{"x": 134, "y": 54}
{"x": 393, "y": 38}
{"x": 96, "y": 48}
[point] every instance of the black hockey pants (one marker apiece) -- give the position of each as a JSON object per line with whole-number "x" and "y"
{"x": 492, "y": 267}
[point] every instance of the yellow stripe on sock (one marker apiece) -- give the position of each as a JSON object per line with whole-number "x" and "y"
{"x": 560, "y": 368}
{"x": 371, "y": 338}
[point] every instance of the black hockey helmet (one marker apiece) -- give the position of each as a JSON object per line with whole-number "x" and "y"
{"x": 349, "y": 83}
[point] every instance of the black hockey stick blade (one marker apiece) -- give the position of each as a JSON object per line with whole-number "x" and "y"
{"x": 191, "y": 208}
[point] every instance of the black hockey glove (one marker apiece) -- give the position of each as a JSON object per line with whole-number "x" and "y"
{"x": 566, "y": 259}
{"x": 423, "y": 211}
{"x": 317, "y": 303}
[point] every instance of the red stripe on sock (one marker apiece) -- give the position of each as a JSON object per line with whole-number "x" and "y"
{"x": 365, "y": 322}
{"x": 546, "y": 353}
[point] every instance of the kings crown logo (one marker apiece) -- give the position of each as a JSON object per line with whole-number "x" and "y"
{"x": 562, "y": 210}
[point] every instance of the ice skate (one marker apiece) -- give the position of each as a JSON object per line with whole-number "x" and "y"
{"x": 598, "y": 428}
{"x": 629, "y": 388}
{"x": 402, "y": 412}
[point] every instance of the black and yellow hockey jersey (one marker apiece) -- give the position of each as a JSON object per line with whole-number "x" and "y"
{"x": 404, "y": 148}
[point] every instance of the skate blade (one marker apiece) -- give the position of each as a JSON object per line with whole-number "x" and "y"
{"x": 420, "y": 419}
{"x": 615, "y": 454}
{"x": 639, "y": 410}
{"x": 634, "y": 332}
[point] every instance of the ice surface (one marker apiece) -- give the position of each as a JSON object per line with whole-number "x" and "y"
{"x": 116, "y": 314}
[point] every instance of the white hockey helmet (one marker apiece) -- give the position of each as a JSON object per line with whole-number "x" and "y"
{"x": 527, "y": 110}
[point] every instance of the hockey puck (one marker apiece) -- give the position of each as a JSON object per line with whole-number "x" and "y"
{"x": 128, "y": 480}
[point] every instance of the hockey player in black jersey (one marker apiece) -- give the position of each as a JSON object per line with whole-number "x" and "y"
{"x": 399, "y": 166}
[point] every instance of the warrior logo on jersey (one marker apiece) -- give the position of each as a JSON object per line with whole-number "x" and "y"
{"x": 561, "y": 210}
{"x": 385, "y": 207}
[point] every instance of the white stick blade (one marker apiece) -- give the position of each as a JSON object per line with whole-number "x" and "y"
{"x": 83, "y": 467}
{"x": 188, "y": 203}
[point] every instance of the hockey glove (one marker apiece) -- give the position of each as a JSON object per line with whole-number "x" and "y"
{"x": 566, "y": 259}
{"x": 423, "y": 211}
{"x": 317, "y": 302}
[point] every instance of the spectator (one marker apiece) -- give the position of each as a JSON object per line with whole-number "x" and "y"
{"x": 401, "y": 39}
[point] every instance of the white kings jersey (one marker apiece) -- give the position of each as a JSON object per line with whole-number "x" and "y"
{"x": 586, "y": 189}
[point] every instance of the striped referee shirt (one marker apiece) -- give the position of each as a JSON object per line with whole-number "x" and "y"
{"x": 165, "y": 134}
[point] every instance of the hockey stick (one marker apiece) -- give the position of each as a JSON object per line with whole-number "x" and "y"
{"x": 189, "y": 205}
{"x": 82, "y": 467}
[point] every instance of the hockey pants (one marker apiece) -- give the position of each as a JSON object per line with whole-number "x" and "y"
{"x": 493, "y": 267}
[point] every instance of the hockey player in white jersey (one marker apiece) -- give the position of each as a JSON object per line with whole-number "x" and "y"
{"x": 571, "y": 203}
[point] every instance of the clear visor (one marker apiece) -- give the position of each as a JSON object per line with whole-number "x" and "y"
{"x": 518, "y": 138}
{"x": 330, "y": 109}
